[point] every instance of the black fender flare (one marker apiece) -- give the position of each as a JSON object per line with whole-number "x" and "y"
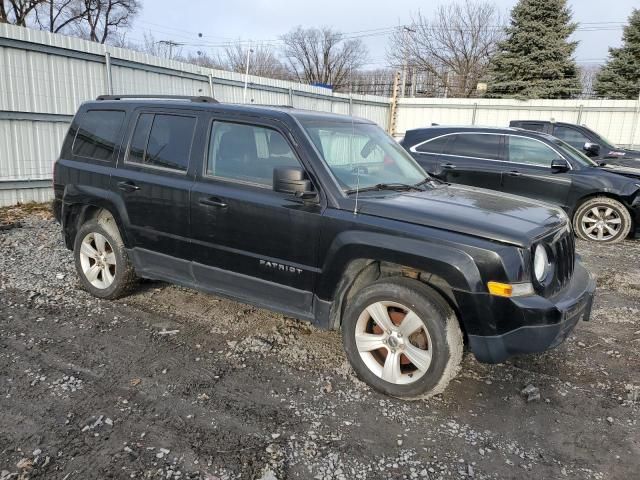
{"x": 77, "y": 200}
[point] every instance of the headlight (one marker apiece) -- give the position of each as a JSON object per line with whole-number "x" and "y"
{"x": 541, "y": 265}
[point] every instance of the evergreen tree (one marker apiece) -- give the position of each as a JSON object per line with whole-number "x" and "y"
{"x": 535, "y": 60}
{"x": 620, "y": 77}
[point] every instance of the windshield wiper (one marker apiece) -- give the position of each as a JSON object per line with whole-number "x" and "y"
{"x": 397, "y": 187}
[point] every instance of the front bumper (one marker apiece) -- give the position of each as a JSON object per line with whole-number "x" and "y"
{"x": 560, "y": 314}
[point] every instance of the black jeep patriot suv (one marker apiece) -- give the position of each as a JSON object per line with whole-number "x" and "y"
{"x": 321, "y": 217}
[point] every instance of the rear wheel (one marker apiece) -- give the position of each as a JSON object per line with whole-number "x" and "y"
{"x": 603, "y": 220}
{"x": 402, "y": 338}
{"x": 101, "y": 261}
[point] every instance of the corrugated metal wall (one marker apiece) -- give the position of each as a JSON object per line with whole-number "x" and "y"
{"x": 44, "y": 78}
{"x": 617, "y": 120}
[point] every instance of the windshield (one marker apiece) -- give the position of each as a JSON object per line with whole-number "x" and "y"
{"x": 573, "y": 153}
{"x": 607, "y": 143}
{"x": 362, "y": 155}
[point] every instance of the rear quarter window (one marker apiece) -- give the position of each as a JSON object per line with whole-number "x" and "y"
{"x": 437, "y": 145}
{"x": 98, "y": 134}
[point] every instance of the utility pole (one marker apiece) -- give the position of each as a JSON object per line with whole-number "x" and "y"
{"x": 405, "y": 47}
{"x": 170, "y": 44}
{"x": 246, "y": 76}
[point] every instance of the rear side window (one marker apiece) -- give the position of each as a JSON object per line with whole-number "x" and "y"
{"x": 475, "y": 145}
{"x": 162, "y": 140}
{"x": 437, "y": 145}
{"x": 536, "y": 127}
{"x": 98, "y": 134}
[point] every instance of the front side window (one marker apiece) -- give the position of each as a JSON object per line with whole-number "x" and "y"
{"x": 571, "y": 136}
{"x": 98, "y": 134}
{"x": 475, "y": 145}
{"x": 529, "y": 151}
{"x": 162, "y": 140}
{"x": 247, "y": 153}
{"x": 362, "y": 155}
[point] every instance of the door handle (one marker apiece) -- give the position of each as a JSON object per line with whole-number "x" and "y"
{"x": 514, "y": 173}
{"x": 128, "y": 186}
{"x": 213, "y": 202}
{"x": 449, "y": 166}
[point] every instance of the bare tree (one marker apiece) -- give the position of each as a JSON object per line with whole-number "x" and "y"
{"x": 17, "y": 11}
{"x": 455, "y": 47}
{"x": 262, "y": 60}
{"x": 103, "y": 18}
{"x": 588, "y": 74}
{"x": 323, "y": 55}
{"x": 59, "y": 15}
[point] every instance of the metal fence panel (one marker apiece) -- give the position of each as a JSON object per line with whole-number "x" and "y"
{"x": 44, "y": 77}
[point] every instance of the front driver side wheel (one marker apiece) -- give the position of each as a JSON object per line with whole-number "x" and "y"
{"x": 602, "y": 219}
{"x": 402, "y": 338}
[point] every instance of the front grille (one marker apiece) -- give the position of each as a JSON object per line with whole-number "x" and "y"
{"x": 562, "y": 249}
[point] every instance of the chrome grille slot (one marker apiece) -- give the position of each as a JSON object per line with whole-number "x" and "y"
{"x": 563, "y": 248}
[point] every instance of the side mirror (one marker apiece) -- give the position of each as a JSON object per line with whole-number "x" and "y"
{"x": 294, "y": 181}
{"x": 592, "y": 149}
{"x": 559, "y": 165}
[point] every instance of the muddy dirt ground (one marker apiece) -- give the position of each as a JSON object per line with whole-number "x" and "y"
{"x": 174, "y": 384}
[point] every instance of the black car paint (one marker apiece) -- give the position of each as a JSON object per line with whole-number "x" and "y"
{"x": 607, "y": 152}
{"x": 619, "y": 179}
{"x": 300, "y": 257}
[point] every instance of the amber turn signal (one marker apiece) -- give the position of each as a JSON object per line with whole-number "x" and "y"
{"x": 510, "y": 289}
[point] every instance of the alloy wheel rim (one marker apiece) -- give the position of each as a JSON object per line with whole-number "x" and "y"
{"x": 98, "y": 260}
{"x": 601, "y": 223}
{"x": 393, "y": 342}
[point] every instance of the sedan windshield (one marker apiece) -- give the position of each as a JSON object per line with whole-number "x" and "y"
{"x": 573, "y": 153}
{"x": 362, "y": 156}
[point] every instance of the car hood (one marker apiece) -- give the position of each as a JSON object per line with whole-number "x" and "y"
{"x": 624, "y": 153}
{"x": 624, "y": 166}
{"x": 473, "y": 211}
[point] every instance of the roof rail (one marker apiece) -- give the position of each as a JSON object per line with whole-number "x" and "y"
{"x": 195, "y": 99}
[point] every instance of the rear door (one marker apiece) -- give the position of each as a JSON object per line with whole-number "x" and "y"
{"x": 153, "y": 181}
{"x": 249, "y": 241}
{"x": 529, "y": 171}
{"x": 474, "y": 159}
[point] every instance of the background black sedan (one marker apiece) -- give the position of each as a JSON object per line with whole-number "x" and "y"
{"x": 603, "y": 200}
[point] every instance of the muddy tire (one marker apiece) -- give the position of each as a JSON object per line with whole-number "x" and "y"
{"x": 101, "y": 260}
{"x": 402, "y": 338}
{"x": 602, "y": 220}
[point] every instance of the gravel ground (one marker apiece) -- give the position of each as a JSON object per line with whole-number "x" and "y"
{"x": 174, "y": 384}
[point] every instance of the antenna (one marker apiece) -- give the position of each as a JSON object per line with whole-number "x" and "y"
{"x": 353, "y": 134}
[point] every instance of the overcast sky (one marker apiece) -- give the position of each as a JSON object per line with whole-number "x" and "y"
{"x": 266, "y": 20}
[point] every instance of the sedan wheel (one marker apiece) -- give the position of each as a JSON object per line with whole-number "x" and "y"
{"x": 601, "y": 223}
{"x": 603, "y": 220}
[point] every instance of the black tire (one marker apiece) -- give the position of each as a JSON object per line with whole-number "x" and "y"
{"x": 441, "y": 324}
{"x": 585, "y": 216}
{"x": 124, "y": 277}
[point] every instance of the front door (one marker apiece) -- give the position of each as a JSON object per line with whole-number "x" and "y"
{"x": 529, "y": 174}
{"x": 249, "y": 241}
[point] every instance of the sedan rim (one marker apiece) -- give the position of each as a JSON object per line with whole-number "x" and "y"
{"x": 601, "y": 223}
{"x": 98, "y": 260}
{"x": 393, "y": 342}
